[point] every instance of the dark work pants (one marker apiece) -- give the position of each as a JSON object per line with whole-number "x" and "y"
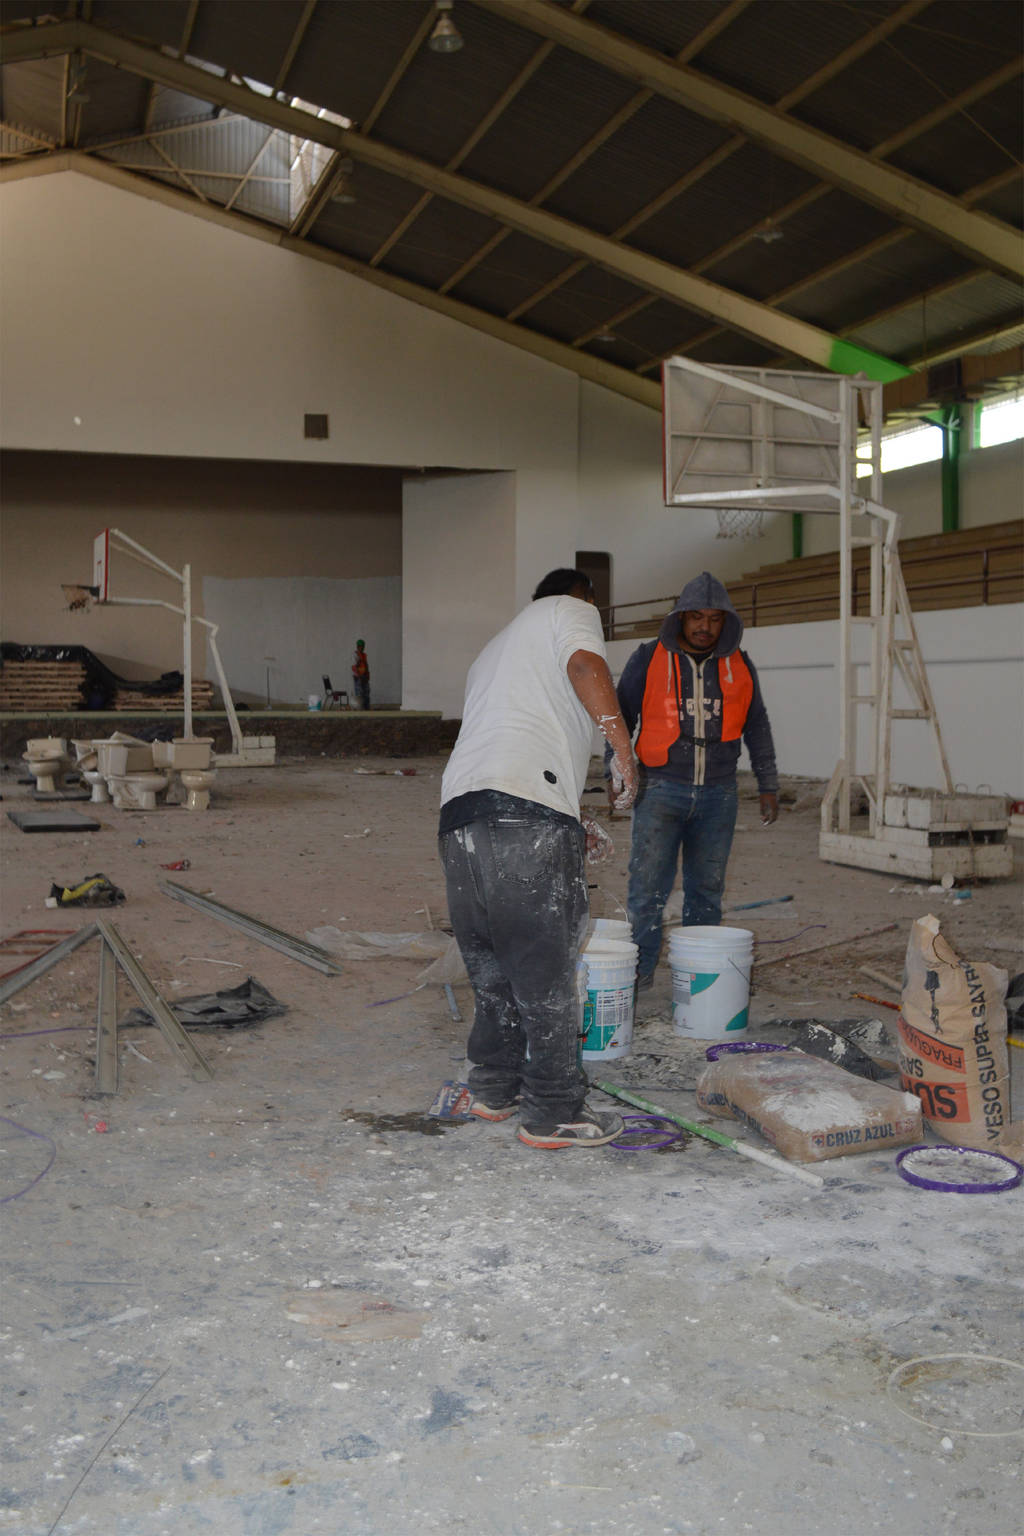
{"x": 517, "y": 898}
{"x": 669, "y": 818}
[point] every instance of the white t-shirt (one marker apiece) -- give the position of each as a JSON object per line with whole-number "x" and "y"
{"x": 524, "y": 731}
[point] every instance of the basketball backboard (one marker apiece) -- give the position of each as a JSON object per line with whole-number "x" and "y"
{"x": 765, "y": 438}
{"x": 101, "y": 564}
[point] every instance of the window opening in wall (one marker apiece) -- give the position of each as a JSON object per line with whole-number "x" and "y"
{"x": 598, "y": 566}
{"x": 1001, "y": 421}
{"x": 914, "y": 445}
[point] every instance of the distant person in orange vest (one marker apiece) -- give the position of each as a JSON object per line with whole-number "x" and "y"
{"x": 361, "y": 676}
{"x": 691, "y": 697}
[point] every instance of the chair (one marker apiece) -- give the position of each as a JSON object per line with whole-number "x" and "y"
{"x": 333, "y": 697}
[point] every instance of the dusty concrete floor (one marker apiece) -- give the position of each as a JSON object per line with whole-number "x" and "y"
{"x": 281, "y": 1302}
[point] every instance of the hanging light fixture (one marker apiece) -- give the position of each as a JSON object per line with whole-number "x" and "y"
{"x": 446, "y": 37}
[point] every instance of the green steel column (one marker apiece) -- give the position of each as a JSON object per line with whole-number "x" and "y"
{"x": 952, "y": 426}
{"x": 798, "y": 535}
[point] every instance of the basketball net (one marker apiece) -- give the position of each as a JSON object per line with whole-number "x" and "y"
{"x": 740, "y": 522}
{"x": 80, "y": 599}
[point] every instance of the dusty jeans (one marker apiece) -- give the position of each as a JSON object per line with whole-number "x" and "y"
{"x": 517, "y": 898}
{"x": 670, "y": 816}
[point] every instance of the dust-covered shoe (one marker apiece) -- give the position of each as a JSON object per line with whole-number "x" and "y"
{"x": 591, "y": 1128}
{"x": 493, "y": 1111}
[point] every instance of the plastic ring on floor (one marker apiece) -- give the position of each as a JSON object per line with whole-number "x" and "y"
{"x": 640, "y": 1129}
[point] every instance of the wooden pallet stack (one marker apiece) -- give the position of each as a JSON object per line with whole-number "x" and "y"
{"x": 134, "y": 701}
{"x": 41, "y": 687}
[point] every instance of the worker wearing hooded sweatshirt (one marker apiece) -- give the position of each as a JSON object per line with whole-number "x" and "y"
{"x": 689, "y": 699}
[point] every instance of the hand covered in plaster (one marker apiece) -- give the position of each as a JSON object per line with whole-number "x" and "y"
{"x": 599, "y": 845}
{"x": 624, "y": 783}
{"x": 769, "y": 809}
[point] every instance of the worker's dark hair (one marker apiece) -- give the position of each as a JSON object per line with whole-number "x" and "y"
{"x": 565, "y": 583}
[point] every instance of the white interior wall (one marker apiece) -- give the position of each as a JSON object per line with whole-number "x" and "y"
{"x": 132, "y": 327}
{"x": 465, "y": 599}
{"x": 973, "y": 659}
{"x": 304, "y": 627}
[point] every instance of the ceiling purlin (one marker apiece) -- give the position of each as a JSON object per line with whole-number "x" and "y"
{"x": 747, "y": 316}
{"x": 325, "y": 188}
{"x": 186, "y": 38}
{"x": 731, "y": 145}
{"x": 508, "y": 95}
{"x": 614, "y": 123}
{"x": 864, "y": 253}
{"x": 904, "y": 197}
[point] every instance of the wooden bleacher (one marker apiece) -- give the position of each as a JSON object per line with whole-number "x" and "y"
{"x": 967, "y": 569}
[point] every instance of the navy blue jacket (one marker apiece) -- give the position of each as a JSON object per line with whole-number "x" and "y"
{"x": 715, "y": 761}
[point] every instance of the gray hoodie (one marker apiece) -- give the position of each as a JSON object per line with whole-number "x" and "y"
{"x": 702, "y": 758}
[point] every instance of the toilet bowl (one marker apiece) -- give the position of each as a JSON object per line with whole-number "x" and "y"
{"x": 136, "y": 791}
{"x": 197, "y": 782}
{"x": 97, "y": 783}
{"x": 48, "y": 761}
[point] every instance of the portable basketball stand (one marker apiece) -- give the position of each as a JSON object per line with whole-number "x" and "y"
{"x": 246, "y": 751}
{"x": 772, "y": 440}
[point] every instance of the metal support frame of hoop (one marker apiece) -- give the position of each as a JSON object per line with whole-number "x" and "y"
{"x": 810, "y": 466}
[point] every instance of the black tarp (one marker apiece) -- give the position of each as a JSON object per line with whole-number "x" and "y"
{"x": 100, "y": 682}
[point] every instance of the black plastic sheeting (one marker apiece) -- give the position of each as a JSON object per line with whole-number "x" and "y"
{"x": 100, "y": 683}
{"x": 234, "y": 1008}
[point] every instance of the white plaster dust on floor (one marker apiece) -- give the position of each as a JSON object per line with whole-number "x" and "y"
{"x": 200, "y": 1301}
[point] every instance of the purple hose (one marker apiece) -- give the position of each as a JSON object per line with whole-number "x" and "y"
{"x": 40, "y": 1136}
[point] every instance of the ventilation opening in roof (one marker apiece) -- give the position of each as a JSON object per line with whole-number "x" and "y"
{"x": 315, "y": 426}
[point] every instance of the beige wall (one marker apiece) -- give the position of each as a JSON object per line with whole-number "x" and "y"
{"x": 290, "y": 527}
{"x": 472, "y": 519}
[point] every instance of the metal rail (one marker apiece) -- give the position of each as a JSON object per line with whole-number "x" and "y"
{"x": 26, "y": 974}
{"x": 151, "y": 1000}
{"x": 253, "y": 928}
{"x": 755, "y": 604}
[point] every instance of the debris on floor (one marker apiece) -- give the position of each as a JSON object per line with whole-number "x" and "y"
{"x": 91, "y": 891}
{"x": 53, "y": 821}
{"x": 808, "y": 1109}
{"x": 233, "y": 1008}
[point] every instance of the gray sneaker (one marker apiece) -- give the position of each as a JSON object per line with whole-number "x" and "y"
{"x": 591, "y": 1128}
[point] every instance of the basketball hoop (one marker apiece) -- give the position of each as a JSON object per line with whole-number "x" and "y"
{"x": 80, "y": 599}
{"x": 740, "y": 522}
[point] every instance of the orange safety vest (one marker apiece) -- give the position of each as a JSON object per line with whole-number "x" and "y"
{"x": 660, "y": 723}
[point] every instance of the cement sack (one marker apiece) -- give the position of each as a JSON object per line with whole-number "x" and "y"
{"x": 808, "y": 1109}
{"x": 952, "y": 1042}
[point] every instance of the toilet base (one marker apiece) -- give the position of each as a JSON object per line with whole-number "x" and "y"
{"x": 136, "y": 791}
{"x": 197, "y": 782}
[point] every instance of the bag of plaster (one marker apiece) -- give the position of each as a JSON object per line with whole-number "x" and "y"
{"x": 952, "y": 1042}
{"x": 807, "y": 1108}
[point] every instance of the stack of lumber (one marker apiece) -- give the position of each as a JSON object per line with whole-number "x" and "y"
{"x": 41, "y": 687}
{"x": 135, "y": 701}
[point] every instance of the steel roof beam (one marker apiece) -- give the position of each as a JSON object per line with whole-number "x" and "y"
{"x": 594, "y": 143}
{"x": 823, "y": 274}
{"x": 593, "y": 370}
{"x": 904, "y": 197}
{"x": 718, "y": 156}
{"x": 747, "y": 316}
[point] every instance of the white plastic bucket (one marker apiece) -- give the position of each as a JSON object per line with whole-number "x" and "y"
{"x": 611, "y": 991}
{"x": 314, "y": 700}
{"x": 611, "y": 928}
{"x": 582, "y": 982}
{"x": 711, "y": 981}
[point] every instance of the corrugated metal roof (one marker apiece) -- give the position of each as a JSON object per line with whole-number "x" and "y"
{"x": 537, "y": 119}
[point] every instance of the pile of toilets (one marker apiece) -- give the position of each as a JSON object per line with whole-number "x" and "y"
{"x": 129, "y": 772}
